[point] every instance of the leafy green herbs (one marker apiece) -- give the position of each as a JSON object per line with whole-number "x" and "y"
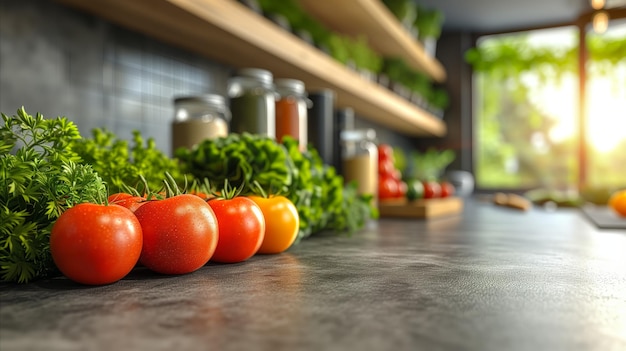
{"x": 122, "y": 165}
{"x": 240, "y": 159}
{"x": 40, "y": 177}
{"x": 315, "y": 188}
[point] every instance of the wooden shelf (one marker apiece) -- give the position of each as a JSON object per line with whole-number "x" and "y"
{"x": 231, "y": 33}
{"x": 383, "y": 31}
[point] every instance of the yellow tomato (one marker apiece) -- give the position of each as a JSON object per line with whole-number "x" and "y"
{"x": 618, "y": 202}
{"x": 282, "y": 223}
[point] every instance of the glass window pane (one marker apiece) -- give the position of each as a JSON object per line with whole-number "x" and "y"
{"x": 526, "y": 111}
{"x": 606, "y": 111}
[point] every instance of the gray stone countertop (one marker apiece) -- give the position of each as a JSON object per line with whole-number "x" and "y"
{"x": 489, "y": 279}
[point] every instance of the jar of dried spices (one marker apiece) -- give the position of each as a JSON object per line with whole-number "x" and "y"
{"x": 197, "y": 118}
{"x": 252, "y": 102}
{"x": 291, "y": 111}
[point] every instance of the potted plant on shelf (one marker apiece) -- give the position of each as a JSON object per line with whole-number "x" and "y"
{"x": 428, "y": 23}
{"x": 431, "y": 164}
{"x": 404, "y": 10}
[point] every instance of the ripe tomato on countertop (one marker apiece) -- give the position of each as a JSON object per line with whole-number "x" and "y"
{"x": 129, "y": 201}
{"x": 180, "y": 234}
{"x": 282, "y": 223}
{"x": 96, "y": 244}
{"x": 241, "y": 229}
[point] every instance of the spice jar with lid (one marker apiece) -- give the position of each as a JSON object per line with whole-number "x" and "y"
{"x": 291, "y": 111}
{"x": 252, "y": 102}
{"x": 197, "y": 118}
{"x": 360, "y": 160}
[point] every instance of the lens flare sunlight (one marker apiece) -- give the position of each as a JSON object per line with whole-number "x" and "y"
{"x": 606, "y": 114}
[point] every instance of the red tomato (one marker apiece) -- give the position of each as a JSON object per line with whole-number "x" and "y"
{"x": 96, "y": 244}
{"x": 447, "y": 189}
{"x": 242, "y": 228}
{"x": 402, "y": 188}
{"x": 385, "y": 167}
{"x": 180, "y": 234}
{"x": 202, "y": 195}
{"x": 385, "y": 152}
{"x": 129, "y": 201}
{"x": 282, "y": 223}
{"x": 396, "y": 174}
{"x": 387, "y": 188}
{"x": 432, "y": 189}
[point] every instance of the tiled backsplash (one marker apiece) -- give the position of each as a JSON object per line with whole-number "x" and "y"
{"x": 62, "y": 62}
{"x": 58, "y": 61}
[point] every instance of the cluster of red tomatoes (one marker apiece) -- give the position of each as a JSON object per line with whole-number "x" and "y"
{"x": 100, "y": 244}
{"x": 434, "y": 189}
{"x": 390, "y": 183}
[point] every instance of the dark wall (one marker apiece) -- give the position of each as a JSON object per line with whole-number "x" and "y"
{"x": 451, "y": 49}
{"x": 59, "y": 61}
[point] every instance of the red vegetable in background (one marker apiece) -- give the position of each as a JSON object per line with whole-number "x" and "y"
{"x": 129, "y": 201}
{"x": 241, "y": 229}
{"x": 387, "y": 187}
{"x": 447, "y": 189}
{"x": 432, "y": 189}
{"x": 96, "y": 244}
{"x": 180, "y": 234}
{"x": 385, "y": 152}
{"x": 390, "y": 183}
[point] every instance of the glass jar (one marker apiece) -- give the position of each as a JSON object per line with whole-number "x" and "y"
{"x": 291, "y": 111}
{"x": 252, "y": 102}
{"x": 360, "y": 160}
{"x": 197, "y": 118}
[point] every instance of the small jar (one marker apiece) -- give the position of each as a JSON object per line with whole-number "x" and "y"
{"x": 291, "y": 111}
{"x": 252, "y": 102}
{"x": 197, "y": 118}
{"x": 360, "y": 160}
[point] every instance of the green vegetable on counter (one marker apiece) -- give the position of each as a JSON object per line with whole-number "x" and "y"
{"x": 40, "y": 177}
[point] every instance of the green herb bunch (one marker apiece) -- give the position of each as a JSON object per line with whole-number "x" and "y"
{"x": 430, "y": 164}
{"x": 315, "y": 188}
{"x": 122, "y": 165}
{"x": 241, "y": 159}
{"x": 40, "y": 177}
{"x": 322, "y": 199}
{"x": 317, "y": 191}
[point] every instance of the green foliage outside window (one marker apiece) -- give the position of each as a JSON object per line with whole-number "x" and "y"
{"x": 513, "y": 144}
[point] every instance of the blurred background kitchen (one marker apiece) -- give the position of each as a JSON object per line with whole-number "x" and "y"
{"x": 533, "y": 97}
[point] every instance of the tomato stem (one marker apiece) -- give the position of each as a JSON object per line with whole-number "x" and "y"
{"x": 258, "y": 189}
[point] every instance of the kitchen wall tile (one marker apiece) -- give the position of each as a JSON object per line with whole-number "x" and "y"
{"x": 60, "y": 61}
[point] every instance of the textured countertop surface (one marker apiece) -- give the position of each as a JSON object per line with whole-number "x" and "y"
{"x": 489, "y": 279}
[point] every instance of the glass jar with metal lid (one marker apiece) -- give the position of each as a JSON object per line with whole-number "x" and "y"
{"x": 291, "y": 111}
{"x": 252, "y": 102}
{"x": 197, "y": 118}
{"x": 360, "y": 160}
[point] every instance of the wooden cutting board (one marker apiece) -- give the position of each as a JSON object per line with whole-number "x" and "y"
{"x": 422, "y": 208}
